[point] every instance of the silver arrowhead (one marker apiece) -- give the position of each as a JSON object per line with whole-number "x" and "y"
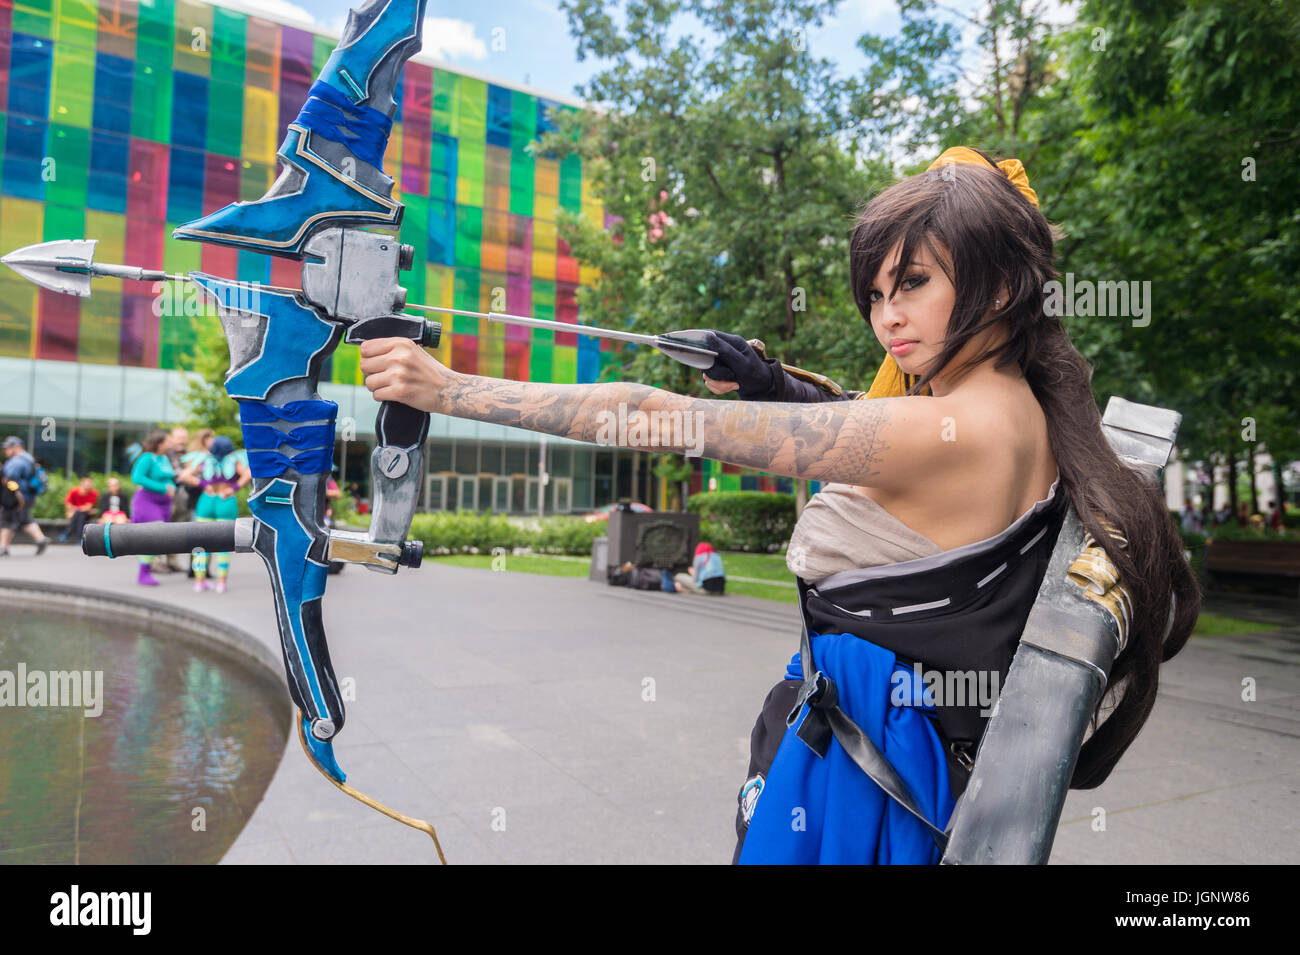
{"x": 64, "y": 265}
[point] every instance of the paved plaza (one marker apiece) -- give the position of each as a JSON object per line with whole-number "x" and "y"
{"x": 538, "y": 719}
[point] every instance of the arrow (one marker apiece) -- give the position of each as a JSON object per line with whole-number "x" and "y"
{"x": 686, "y": 346}
{"x": 68, "y": 265}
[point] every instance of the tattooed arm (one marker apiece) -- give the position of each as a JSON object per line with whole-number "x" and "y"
{"x": 881, "y": 443}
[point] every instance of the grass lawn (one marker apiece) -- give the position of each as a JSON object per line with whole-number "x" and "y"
{"x": 762, "y": 567}
{"x": 541, "y": 564}
{"x": 1214, "y": 625}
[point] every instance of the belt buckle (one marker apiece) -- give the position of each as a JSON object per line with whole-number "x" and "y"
{"x": 961, "y": 750}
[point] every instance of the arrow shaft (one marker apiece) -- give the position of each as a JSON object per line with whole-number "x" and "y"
{"x": 542, "y": 323}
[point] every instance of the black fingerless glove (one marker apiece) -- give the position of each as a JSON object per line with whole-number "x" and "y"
{"x": 737, "y": 361}
{"x": 761, "y": 379}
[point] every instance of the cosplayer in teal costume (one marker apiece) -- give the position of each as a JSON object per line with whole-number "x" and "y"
{"x": 222, "y": 472}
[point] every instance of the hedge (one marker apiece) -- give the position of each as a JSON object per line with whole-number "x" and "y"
{"x": 49, "y": 506}
{"x": 758, "y": 521}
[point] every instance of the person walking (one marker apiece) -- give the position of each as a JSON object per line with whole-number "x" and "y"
{"x": 224, "y": 471}
{"x": 187, "y": 488}
{"x": 20, "y": 469}
{"x": 155, "y": 483}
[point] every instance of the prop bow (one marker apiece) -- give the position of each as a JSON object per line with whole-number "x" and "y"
{"x": 331, "y": 184}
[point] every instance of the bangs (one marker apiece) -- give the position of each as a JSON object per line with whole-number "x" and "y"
{"x": 903, "y": 214}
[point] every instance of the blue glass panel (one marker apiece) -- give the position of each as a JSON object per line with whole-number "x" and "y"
{"x": 109, "y": 160}
{"x": 25, "y": 152}
{"x": 30, "y": 64}
{"x": 113, "y": 78}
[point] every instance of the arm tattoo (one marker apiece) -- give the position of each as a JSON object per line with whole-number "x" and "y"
{"x": 834, "y": 441}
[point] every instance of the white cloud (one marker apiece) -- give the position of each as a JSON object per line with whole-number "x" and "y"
{"x": 282, "y": 10}
{"x": 446, "y": 38}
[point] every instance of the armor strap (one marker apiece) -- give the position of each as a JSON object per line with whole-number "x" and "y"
{"x": 821, "y": 381}
{"x": 826, "y": 719}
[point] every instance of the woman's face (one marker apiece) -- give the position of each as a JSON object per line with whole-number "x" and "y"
{"x": 913, "y": 325}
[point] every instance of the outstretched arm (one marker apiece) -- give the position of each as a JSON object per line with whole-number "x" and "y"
{"x": 879, "y": 443}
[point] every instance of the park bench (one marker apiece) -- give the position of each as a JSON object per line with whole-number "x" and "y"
{"x": 1277, "y": 560}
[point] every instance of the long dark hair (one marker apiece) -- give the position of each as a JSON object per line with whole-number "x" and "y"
{"x": 154, "y": 440}
{"x": 987, "y": 238}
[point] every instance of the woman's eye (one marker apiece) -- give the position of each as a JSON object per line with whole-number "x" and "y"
{"x": 909, "y": 284}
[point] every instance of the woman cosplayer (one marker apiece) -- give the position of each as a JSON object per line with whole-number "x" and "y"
{"x": 943, "y": 494}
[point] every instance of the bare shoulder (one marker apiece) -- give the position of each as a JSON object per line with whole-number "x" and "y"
{"x": 918, "y": 438}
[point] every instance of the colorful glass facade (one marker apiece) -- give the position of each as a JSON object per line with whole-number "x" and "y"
{"x": 123, "y": 119}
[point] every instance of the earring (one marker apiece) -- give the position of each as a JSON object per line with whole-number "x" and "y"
{"x": 997, "y": 303}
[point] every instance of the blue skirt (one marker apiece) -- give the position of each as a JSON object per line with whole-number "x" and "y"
{"x": 811, "y": 810}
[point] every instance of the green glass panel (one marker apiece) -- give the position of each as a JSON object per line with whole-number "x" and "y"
{"x": 565, "y": 364}
{"x": 543, "y": 307}
{"x": 473, "y": 109}
{"x": 151, "y": 102}
{"x": 540, "y": 360}
{"x": 571, "y": 184}
{"x": 77, "y": 24}
{"x": 254, "y": 179}
{"x": 17, "y": 311}
{"x": 465, "y": 295}
{"x": 469, "y": 236}
{"x": 100, "y": 331}
{"x": 415, "y": 233}
{"x": 33, "y": 23}
{"x": 347, "y": 366}
{"x": 229, "y": 38}
{"x": 157, "y": 22}
{"x": 446, "y": 90}
{"x": 523, "y": 119}
{"x": 62, "y": 222}
{"x": 181, "y": 256}
{"x": 522, "y": 173}
{"x": 69, "y": 147}
{"x": 321, "y": 51}
{"x": 225, "y": 131}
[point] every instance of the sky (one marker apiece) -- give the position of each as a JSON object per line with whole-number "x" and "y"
{"x": 527, "y": 41}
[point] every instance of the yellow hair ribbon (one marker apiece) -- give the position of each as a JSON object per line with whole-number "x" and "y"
{"x": 890, "y": 382}
{"x": 1013, "y": 169}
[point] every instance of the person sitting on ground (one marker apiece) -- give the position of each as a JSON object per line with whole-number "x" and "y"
{"x": 78, "y": 506}
{"x": 642, "y": 578}
{"x": 114, "y": 504}
{"x": 706, "y": 575}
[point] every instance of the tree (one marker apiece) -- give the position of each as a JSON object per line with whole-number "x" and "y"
{"x": 203, "y": 396}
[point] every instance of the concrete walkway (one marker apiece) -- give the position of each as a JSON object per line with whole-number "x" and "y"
{"x": 553, "y": 720}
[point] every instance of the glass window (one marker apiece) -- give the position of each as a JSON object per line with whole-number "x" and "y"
{"x": 439, "y": 457}
{"x": 518, "y": 459}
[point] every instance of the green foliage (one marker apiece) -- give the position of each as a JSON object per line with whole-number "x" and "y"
{"x": 467, "y": 532}
{"x": 49, "y": 506}
{"x": 1233, "y": 532}
{"x": 203, "y": 395}
{"x": 744, "y": 520}
{"x": 566, "y": 535}
{"x": 753, "y": 149}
